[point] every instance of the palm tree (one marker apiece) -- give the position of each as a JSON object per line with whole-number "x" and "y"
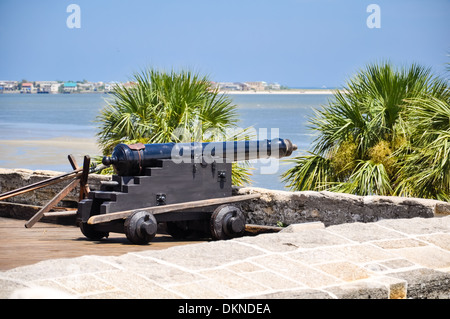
{"x": 160, "y": 107}
{"x": 425, "y": 161}
{"x": 363, "y": 134}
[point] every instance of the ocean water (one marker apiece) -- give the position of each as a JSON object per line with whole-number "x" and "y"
{"x": 42, "y": 116}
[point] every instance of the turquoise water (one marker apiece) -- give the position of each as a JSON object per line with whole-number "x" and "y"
{"x": 36, "y": 116}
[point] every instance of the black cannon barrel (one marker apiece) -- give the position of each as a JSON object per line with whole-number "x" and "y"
{"x": 131, "y": 159}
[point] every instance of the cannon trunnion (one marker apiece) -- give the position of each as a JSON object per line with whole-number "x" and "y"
{"x": 191, "y": 198}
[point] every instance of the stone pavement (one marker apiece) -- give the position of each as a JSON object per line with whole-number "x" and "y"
{"x": 397, "y": 258}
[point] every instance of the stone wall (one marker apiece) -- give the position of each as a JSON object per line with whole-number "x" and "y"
{"x": 332, "y": 208}
{"x": 11, "y": 179}
{"x": 271, "y": 208}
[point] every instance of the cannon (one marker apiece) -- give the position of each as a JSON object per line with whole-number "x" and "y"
{"x": 185, "y": 187}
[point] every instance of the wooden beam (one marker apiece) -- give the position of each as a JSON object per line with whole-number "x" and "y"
{"x": 63, "y": 193}
{"x": 261, "y": 229}
{"x": 97, "y": 219}
{"x": 61, "y": 214}
{"x": 84, "y": 187}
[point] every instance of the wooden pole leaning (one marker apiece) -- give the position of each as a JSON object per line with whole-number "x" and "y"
{"x": 54, "y": 180}
{"x": 80, "y": 179}
{"x": 52, "y": 203}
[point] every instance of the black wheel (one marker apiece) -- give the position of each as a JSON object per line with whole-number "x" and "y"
{"x": 227, "y": 222}
{"x": 91, "y": 233}
{"x": 140, "y": 227}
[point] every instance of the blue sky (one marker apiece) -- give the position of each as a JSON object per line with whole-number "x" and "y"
{"x": 303, "y": 43}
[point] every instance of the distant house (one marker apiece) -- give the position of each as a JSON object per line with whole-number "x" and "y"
{"x": 69, "y": 87}
{"x": 48, "y": 87}
{"x": 27, "y": 87}
{"x": 274, "y": 86}
{"x": 257, "y": 86}
{"x": 6, "y": 86}
{"x": 85, "y": 87}
{"x": 109, "y": 86}
{"x": 232, "y": 86}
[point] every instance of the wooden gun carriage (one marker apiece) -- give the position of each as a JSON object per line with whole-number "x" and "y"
{"x": 187, "y": 186}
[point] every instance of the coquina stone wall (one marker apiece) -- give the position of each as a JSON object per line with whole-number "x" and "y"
{"x": 332, "y": 208}
{"x": 271, "y": 208}
{"x": 11, "y": 179}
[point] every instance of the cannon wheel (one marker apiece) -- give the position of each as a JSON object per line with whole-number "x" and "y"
{"x": 227, "y": 222}
{"x": 140, "y": 227}
{"x": 91, "y": 233}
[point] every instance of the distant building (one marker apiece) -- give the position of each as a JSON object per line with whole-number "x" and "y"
{"x": 70, "y": 87}
{"x": 109, "y": 86}
{"x": 85, "y": 87}
{"x": 232, "y": 86}
{"x": 257, "y": 86}
{"x": 27, "y": 87}
{"x": 273, "y": 86}
{"x": 8, "y": 86}
{"x": 48, "y": 87}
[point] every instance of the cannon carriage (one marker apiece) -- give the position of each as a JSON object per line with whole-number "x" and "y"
{"x": 184, "y": 186}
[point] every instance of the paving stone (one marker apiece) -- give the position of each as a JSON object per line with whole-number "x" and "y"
{"x": 84, "y": 284}
{"x": 52, "y": 284}
{"x": 344, "y": 270}
{"x": 375, "y": 267}
{"x": 314, "y": 256}
{"x": 204, "y": 255}
{"x": 295, "y": 228}
{"x": 271, "y": 280}
{"x": 113, "y": 294}
{"x": 296, "y": 294}
{"x": 9, "y": 286}
{"x": 205, "y": 289}
{"x": 57, "y": 268}
{"x": 426, "y": 256}
{"x": 292, "y": 241}
{"x": 418, "y": 226}
{"x": 157, "y": 271}
{"x": 227, "y": 280}
{"x": 360, "y": 232}
{"x": 362, "y": 253}
{"x": 399, "y": 243}
{"x": 244, "y": 267}
{"x": 397, "y": 263}
{"x": 440, "y": 240}
{"x": 360, "y": 290}
{"x": 135, "y": 286}
{"x": 397, "y": 287}
{"x": 425, "y": 283}
{"x": 295, "y": 271}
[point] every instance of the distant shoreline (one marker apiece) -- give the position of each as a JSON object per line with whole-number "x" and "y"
{"x": 290, "y": 91}
{"x": 231, "y": 92}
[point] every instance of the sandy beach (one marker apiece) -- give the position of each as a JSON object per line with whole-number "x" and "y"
{"x": 51, "y": 153}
